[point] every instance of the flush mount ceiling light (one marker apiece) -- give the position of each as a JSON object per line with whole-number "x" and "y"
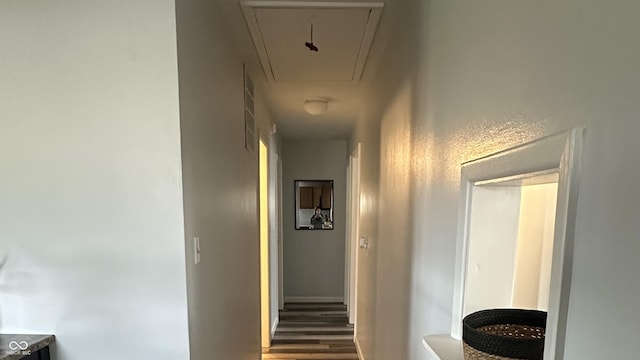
{"x": 316, "y": 107}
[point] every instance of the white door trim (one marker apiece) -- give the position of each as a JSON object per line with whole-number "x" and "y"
{"x": 353, "y": 233}
{"x": 280, "y": 237}
{"x": 347, "y": 240}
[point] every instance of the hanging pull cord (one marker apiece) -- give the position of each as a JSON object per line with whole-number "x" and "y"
{"x": 310, "y": 45}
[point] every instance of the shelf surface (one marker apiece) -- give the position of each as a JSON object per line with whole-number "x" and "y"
{"x": 443, "y": 347}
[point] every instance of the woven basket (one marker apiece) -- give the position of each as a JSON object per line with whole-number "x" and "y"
{"x": 504, "y": 334}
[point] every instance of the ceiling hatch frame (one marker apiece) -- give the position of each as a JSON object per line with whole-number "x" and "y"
{"x": 375, "y": 13}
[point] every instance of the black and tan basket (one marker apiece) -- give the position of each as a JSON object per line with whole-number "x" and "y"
{"x": 504, "y": 334}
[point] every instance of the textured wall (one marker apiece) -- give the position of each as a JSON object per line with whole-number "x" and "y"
{"x": 464, "y": 79}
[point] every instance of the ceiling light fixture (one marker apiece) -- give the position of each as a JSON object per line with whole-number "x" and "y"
{"x": 316, "y": 107}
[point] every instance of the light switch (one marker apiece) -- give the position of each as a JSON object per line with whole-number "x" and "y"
{"x": 196, "y": 249}
{"x": 364, "y": 243}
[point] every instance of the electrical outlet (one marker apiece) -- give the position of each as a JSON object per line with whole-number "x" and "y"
{"x": 196, "y": 249}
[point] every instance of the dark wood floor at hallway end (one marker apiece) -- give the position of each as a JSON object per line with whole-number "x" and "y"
{"x": 318, "y": 331}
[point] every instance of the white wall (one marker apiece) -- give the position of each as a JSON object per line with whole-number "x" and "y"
{"x": 90, "y": 203}
{"x": 510, "y": 247}
{"x": 314, "y": 259}
{"x": 463, "y": 79}
{"x": 491, "y": 258}
{"x": 535, "y": 246}
{"x": 220, "y": 188}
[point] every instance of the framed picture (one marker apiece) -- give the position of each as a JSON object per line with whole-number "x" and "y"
{"x": 314, "y": 204}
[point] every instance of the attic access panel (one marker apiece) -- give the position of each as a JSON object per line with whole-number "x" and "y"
{"x": 343, "y": 32}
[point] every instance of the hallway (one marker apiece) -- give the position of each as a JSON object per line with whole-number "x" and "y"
{"x": 312, "y": 331}
{"x": 129, "y": 151}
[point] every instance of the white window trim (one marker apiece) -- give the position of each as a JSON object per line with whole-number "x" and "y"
{"x": 562, "y": 153}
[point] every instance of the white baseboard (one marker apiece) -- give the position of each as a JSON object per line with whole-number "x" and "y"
{"x": 359, "y": 349}
{"x": 313, "y": 299}
{"x": 274, "y": 327}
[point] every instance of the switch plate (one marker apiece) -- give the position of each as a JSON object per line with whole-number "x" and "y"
{"x": 196, "y": 249}
{"x": 364, "y": 243}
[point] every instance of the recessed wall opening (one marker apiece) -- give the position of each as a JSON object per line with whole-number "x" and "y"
{"x": 510, "y": 249}
{"x": 515, "y": 236}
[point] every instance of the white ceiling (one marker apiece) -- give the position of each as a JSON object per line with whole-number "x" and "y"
{"x": 300, "y": 74}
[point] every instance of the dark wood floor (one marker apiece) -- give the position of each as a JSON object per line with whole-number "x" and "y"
{"x": 312, "y": 331}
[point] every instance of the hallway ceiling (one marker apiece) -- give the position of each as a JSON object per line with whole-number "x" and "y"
{"x": 294, "y": 74}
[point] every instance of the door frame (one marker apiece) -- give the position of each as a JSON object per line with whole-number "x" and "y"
{"x": 280, "y": 234}
{"x": 352, "y": 235}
